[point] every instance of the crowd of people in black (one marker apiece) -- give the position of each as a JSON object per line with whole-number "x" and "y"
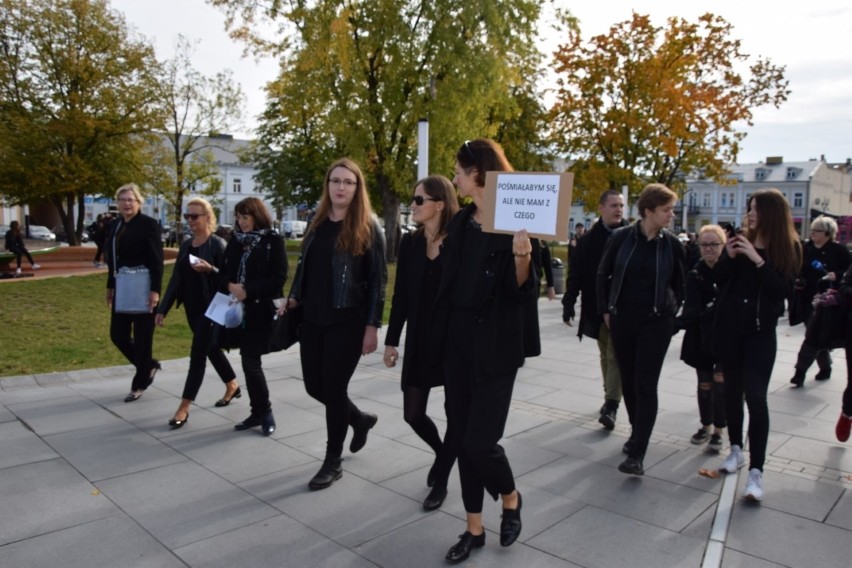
{"x": 468, "y": 301}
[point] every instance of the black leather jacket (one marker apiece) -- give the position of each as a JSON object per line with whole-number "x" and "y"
{"x": 669, "y": 286}
{"x": 352, "y": 288}
{"x": 213, "y": 251}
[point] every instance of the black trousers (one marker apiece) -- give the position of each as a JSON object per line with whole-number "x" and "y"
{"x": 329, "y": 355}
{"x": 203, "y": 348}
{"x": 19, "y": 251}
{"x": 256, "y": 384}
{"x": 640, "y": 348}
{"x": 747, "y": 359}
{"x": 711, "y": 399}
{"x": 133, "y": 335}
{"x": 477, "y": 409}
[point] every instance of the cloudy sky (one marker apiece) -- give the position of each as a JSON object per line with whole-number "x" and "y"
{"x": 810, "y": 38}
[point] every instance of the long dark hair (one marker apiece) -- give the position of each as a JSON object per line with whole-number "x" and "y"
{"x": 254, "y": 206}
{"x": 485, "y": 155}
{"x": 776, "y": 230}
{"x": 439, "y": 187}
{"x": 355, "y": 234}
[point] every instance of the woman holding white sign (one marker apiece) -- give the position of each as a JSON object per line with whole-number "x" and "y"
{"x": 482, "y": 311}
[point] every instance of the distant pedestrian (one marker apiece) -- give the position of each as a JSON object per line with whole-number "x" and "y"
{"x": 640, "y": 289}
{"x": 844, "y": 421}
{"x": 418, "y": 273}
{"x": 98, "y": 233}
{"x": 699, "y": 309}
{"x": 15, "y": 245}
{"x": 754, "y": 277}
{"x": 543, "y": 262}
{"x": 582, "y": 281}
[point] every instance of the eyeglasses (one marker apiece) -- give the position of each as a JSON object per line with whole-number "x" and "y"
{"x": 346, "y": 182}
{"x": 419, "y": 199}
{"x": 709, "y": 245}
{"x": 126, "y": 200}
{"x": 193, "y": 216}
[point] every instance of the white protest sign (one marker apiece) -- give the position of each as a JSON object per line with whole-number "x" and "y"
{"x": 536, "y": 201}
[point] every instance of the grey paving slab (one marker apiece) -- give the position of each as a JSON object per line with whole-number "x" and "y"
{"x": 18, "y": 382}
{"x": 785, "y": 539}
{"x": 682, "y": 468}
{"x": 279, "y": 541}
{"x": 815, "y": 452}
{"x": 6, "y": 415}
{"x": 596, "y": 538}
{"x": 19, "y": 445}
{"x": 101, "y": 453}
{"x": 797, "y": 496}
{"x": 236, "y": 456}
{"x": 183, "y": 503}
{"x": 32, "y": 393}
{"x": 42, "y": 497}
{"x": 63, "y": 415}
{"x": 841, "y": 514}
{"x": 104, "y": 543}
{"x": 153, "y": 417}
{"x": 734, "y": 559}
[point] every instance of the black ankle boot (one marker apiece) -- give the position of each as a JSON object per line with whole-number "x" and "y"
{"x": 823, "y": 375}
{"x": 330, "y": 472}
{"x": 798, "y": 378}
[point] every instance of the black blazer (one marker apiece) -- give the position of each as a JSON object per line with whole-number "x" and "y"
{"x": 213, "y": 251}
{"x": 137, "y": 243}
{"x": 507, "y": 319}
{"x": 266, "y": 272}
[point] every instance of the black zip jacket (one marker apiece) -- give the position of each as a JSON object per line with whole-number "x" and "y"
{"x": 759, "y": 300}
{"x": 213, "y": 251}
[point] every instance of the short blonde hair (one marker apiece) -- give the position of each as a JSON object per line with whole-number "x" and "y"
{"x": 825, "y": 224}
{"x": 208, "y": 211}
{"x": 130, "y": 188}
{"x": 716, "y": 230}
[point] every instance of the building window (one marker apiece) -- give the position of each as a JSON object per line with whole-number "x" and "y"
{"x": 707, "y": 197}
{"x": 760, "y": 174}
{"x": 724, "y": 199}
{"x": 238, "y": 185}
{"x": 792, "y": 173}
{"x": 798, "y": 199}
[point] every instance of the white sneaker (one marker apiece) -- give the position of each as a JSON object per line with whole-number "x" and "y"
{"x": 754, "y": 486}
{"x": 36, "y": 266}
{"x": 18, "y": 272}
{"x": 734, "y": 461}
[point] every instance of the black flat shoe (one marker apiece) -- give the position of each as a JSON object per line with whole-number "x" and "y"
{"x": 249, "y": 422}
{"x": 330, "y": 472}
{"x": 823, "y": 375}
{"x": 632, "y": 466}
{"x": 268, "y": 424}
{"x": 461, "y": 550}
{"x": 359, "y": 437}
{"x": 226, "y": 401}
{"x": 435, "y": 499}
{"x": 175, "y": 423}
{"x": 510, "y": 526}
{"x": 133, "y": 396}
{"x": 154, "y": 368}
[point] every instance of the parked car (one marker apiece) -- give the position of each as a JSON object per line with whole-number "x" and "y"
{"x": 41, "y": 233}
{"x": 293, "y": 229}
{"x": 59, "y": 231}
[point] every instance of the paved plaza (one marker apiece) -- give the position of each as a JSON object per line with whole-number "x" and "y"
{"x": 89, "y": 481}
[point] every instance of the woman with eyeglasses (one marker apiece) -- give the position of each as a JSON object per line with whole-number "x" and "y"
{"x": 753, "y": 277}
{"x": 482, "y": 329}
{"x": 697, "y": 347}
{"x": 340, "y": 286}
{"x": 193, "y": 284}
{"x": 418, "y": 273}
{"x": 135, "y": 241}
{"x": 825, "y": 261}
{"x": 254, "y": 272}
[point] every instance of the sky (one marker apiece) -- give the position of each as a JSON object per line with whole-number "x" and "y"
{"x": 811, "y": 39}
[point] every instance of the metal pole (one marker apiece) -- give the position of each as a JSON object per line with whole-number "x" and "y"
{"x": 422, "y": 148}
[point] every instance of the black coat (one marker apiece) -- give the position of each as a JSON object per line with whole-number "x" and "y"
{"x": 213, "y": 251}
{"x": 136, "y": 243}
{"x": 834, "y": 257}
{"x": 582, "y": 279}
{"x": 696, "y": 318}
{"x": 266, "y": 272}
{"x": 405, "y": 306}
{"x": 507, "y": 318}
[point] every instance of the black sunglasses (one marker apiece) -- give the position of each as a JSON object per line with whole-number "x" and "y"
{"x": 419, "y": 199}
{"x": 192, "y": 216}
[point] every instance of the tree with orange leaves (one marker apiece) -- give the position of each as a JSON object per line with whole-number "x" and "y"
{"x": 651, "y": 104}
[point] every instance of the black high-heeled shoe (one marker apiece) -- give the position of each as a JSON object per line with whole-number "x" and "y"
{"x": 155, "y": 366}
{"x": 175, "y": 423}
{"x": 226, "y": 401}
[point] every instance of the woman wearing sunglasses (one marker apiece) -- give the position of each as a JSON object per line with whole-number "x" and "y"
{"x": 340, "y": 284}
{"x": 417, "y": 276}
{"x": 193, "y": 284}
{"x": 482, "y": 326}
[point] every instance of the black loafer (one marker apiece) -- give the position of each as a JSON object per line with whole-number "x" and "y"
{"x": 632, "y": 466}
{"x": 174, "y": 423}
{"x": 249, "y": 422}
{"x": 133, "y": 396}
{"x": 268, "y": 424}
{"x": 461, "y": 550}
{"x": 226, "y": 401}
{"x": 359, "y": 438}
{"x": 435, "y": 498}
{"x": 510, "y": 526}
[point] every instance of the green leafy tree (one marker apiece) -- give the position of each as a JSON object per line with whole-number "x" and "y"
{"x": 76, "y": 97}
{"x": 195, "y": 109}
{"x": 357, "y": 77}
{"x": 645, "y": 103}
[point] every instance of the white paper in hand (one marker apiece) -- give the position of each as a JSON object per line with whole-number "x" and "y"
{"x": 218, "y": 307}
{"x": 193, "y": 259}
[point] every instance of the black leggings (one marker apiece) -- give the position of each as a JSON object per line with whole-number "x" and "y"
{"x": 711, "y": 399}
{"x": 19, "y": 251}
{"x": 203, "y": 348}
{"x": 415, "y": 400}
{"x": 640, "y": 348}
{"x": 329, "y": 355}
{"x": 137, "y": 348}
{"x": 747, "y": 359}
